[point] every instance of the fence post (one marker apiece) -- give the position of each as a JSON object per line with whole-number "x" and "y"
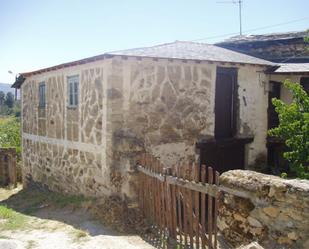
{"x": 181, "y": 203}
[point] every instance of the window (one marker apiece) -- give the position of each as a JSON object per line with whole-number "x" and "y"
{"x": 73, "y": 90}
{"x": 273, "y": 118}
{"x": 304, "y": 81}
{"x": 42, "y": 100}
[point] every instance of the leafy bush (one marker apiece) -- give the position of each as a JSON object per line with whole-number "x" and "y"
{"x": 10, "y": 133}
{"x": 294, "y": 129}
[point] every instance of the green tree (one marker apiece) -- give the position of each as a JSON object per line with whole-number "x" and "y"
{"x": 307, "y": 38}
{"x": 2, "y": 99}
{"x": 5, "y": 110}
{"x": 17, "y": 108}
{"x": 294, "y": 128}
{"x": 9, "y": 100}
{"x": 10, "y": 134}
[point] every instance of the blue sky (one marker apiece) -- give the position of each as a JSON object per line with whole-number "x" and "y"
{"x": 36, "y": 34}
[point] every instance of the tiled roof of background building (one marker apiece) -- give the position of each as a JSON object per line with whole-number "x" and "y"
{"x": 293, "y": 68}
{"x": 266, "y": 37}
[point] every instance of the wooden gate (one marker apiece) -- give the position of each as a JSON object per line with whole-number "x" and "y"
{"x": 181, "y": 202}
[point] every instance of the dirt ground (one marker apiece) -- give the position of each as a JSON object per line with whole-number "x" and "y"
{"x": 31, "y": 221}
{"x": 35, "y": 218}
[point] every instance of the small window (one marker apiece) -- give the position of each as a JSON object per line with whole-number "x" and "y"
{"x": 73, "y": 90}
{"x": 42, "y": 100}
{"x": 304, "y": 81}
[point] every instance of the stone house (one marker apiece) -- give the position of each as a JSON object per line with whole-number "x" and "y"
{"x": 288, "y": 47}
{"x": 295, "y": 72}
{"x": 84, "y": 123}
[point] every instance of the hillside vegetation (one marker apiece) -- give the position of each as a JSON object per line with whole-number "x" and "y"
{"x": 10, "y": 133}
{"x": 8, "y": 104}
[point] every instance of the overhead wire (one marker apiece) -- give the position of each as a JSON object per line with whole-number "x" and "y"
{"x": 250, "y": 30}
{"x": 261, "y": 28}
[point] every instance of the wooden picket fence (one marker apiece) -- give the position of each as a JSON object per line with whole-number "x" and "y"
{"x": 181, "y": 202}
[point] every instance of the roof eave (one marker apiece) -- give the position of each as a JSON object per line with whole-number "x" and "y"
{"x": 68, "y": 64}
{"x": 289, "y": 73}
{"x": 110, "y": 55}
{"x": 18, "y": 81}
{"x": 270, "y": 64}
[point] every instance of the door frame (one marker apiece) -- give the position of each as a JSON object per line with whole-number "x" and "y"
{"x": 233, "y": 72}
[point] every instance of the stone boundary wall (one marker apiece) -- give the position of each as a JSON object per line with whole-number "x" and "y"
{"x": 264, "y": 208}
{"x": 8, "y": 167}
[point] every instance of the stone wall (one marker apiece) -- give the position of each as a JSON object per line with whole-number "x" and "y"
{"x": 128, "y": 106}
{"x": 161, "y": 107}
{"x": 264, "y": 208}
{"x": 252, "y": 117}
{"x": 285, "y": 94}
{"x": 165, "y": 106}
{"x": 276, "y": 50}
{"x": 8, "y": 174}
{"x": 64, "y": 147}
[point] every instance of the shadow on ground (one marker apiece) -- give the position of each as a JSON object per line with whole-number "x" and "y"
{"x": 157, "y": 240}
{"x": 75, "y": 211}
{"x": 71, "y": 210}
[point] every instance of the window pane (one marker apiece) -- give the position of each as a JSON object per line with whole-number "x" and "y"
{"x": 70, "y": 93}
{"x": 75, "y": 87}
{"x": 73, "y": 90}
{"x": 76, "y": 93}
{"x": 71, "y": 100}
{"x": 304, "y": 81}
{"x": 76, "y": 98}
{"x": 42, "y": 95}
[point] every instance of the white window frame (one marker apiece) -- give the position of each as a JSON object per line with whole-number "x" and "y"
{"x": 42, "y": 94}
{"x": 73, "y": 90}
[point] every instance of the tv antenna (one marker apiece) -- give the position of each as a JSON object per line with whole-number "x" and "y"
{"x": 239, "y": 2}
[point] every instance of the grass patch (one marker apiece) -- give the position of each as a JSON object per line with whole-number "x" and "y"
{"x": 31, "y": 244}
{"x": 78, "y": 235}
{"x": 30, "y": 200}
{"x": 81, "y": 234}
{"x": 4, "y": 237}
{"x": 10, "y": 219}
{"x": 61, "y": 200}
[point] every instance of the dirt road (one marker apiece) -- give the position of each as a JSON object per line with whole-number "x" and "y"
{"x": 58, "y": 228}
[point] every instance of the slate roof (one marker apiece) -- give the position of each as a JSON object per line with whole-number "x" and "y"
{"x": 176, "y": 50}
{"x": 292, "y": 68}
{"x": 265, "y": 37}
{"x": 192, "y": 51}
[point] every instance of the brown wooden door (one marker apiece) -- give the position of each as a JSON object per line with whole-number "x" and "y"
{"x": 273, "y": 120}
{"x": 225, "y": 109}
{"x": 225, "y": 152}
{"x": 304, "y": 81}
{"x": 224, "y": 155}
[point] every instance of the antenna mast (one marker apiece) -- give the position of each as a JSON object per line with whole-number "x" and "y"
{"x": 239, "y": 2}
{"x": 240, "y": 21}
